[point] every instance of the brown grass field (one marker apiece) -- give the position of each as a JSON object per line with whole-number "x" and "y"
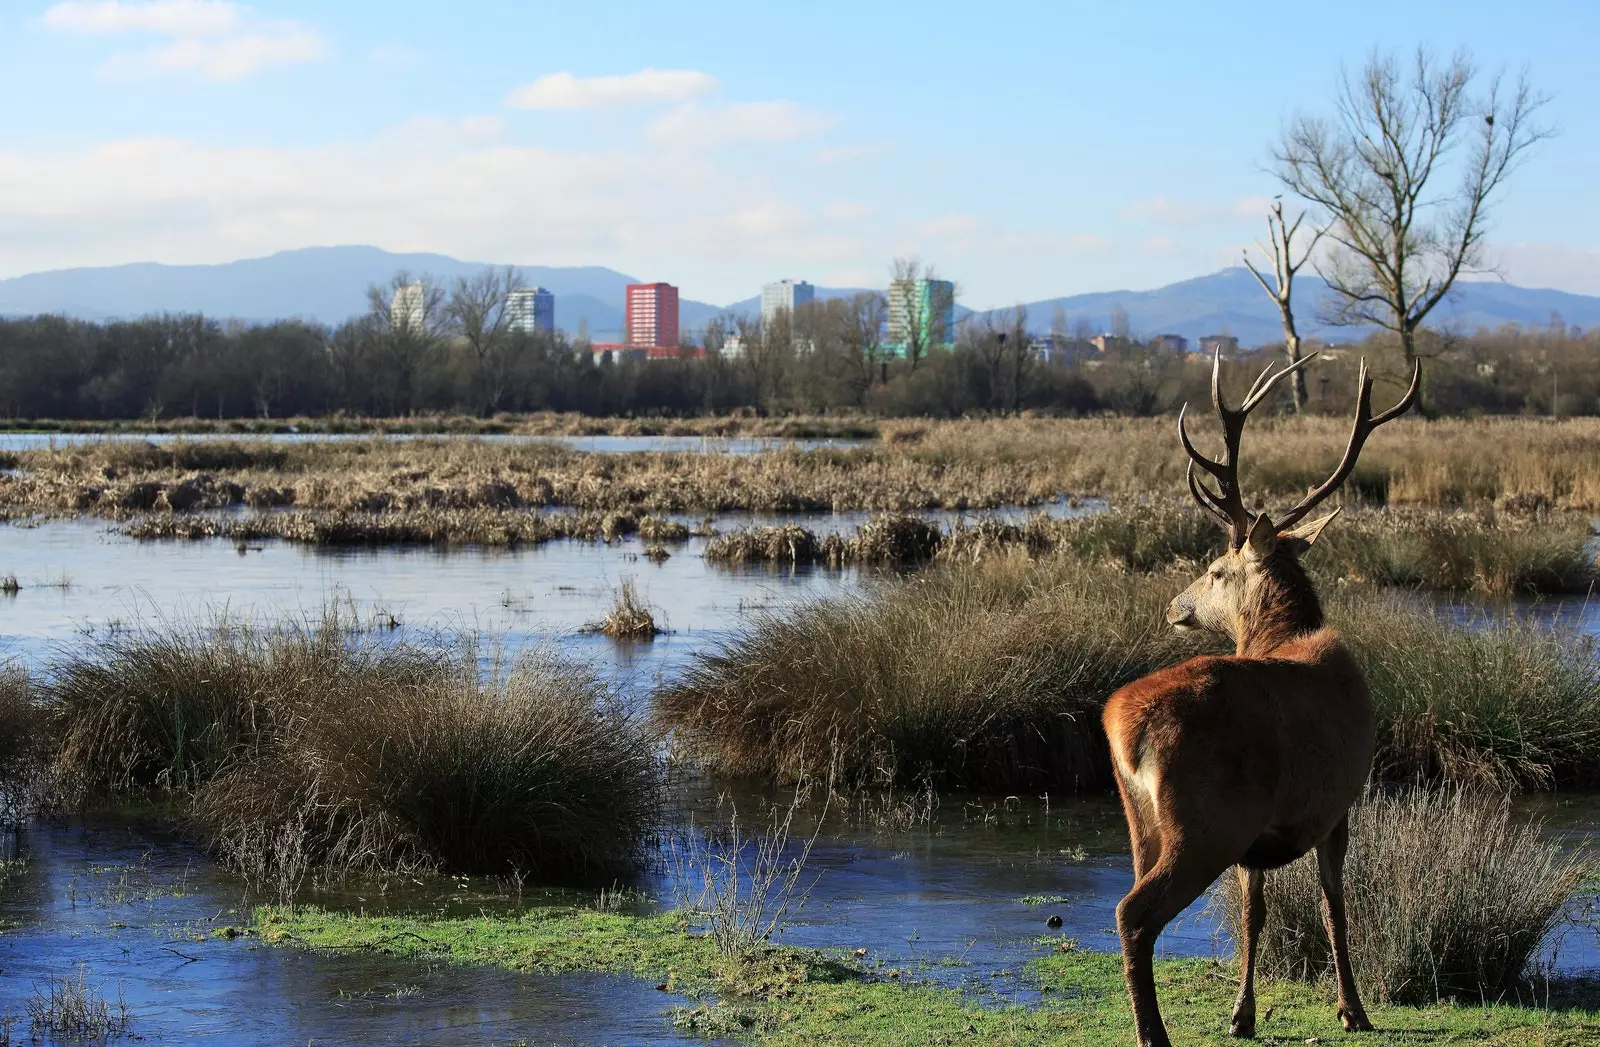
{"x": 920, "y": 465}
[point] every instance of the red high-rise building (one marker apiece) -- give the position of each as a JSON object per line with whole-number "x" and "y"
{"x": 651, "y": 319}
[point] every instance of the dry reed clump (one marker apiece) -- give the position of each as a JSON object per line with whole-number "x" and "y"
{"x": 1450, "y": 894}
{"x": 25, "y": 744}
{"x": 314, "y": 748}
{"x": 951, "y": 465}
{"x": 1483, "y": 552}
{"x": 992, "y": 676}
{"x": 630, "y": 617}
{"x": 986, "y": 677}
{"x": 1496, "y": 702}
{"x": 439, "y": 527}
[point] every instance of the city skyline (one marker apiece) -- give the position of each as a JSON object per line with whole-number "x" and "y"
{"x": 237, "y": 131}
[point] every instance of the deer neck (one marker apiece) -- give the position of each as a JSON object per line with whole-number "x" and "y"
{"x": 1283, "y": 607}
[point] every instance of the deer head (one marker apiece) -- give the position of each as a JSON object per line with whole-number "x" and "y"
{"x": 1257, "y": 587}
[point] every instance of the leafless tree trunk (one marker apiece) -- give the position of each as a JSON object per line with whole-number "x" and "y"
{"x": 408, "y": 318}
{"x": 1380, "y": 173}
{"x": 1281, "y": 234}
{"x": 478, "y": 311}
{"x": 861, "y": 332}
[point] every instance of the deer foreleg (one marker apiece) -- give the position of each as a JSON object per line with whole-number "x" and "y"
{"x": 1330, "y": 865}
{"x": 1253, "y": 912}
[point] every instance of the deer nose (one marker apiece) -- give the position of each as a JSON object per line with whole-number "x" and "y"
{"x": 1180, "y": 612}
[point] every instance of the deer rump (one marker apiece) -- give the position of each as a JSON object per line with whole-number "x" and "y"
{"x": 1256, "y": 759}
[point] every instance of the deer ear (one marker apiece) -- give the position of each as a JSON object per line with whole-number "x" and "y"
{"x": 1305, "y": 536}
{"x": 1263, "y": 538}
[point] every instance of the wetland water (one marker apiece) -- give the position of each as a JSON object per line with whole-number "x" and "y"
{"x": 942, "y": 897}
{"x": 595, "y": 444}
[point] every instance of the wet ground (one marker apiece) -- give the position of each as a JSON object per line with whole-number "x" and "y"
{"x": 959, "y": 893}
{"x": 148, "y": 920}
{"x": 597, "y": 444}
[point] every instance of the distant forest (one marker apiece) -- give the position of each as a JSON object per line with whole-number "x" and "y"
{"x": 168, "y": 367}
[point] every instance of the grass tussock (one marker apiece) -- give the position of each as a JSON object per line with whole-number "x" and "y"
{"x": 1450, "y": 895}
{"x": 308, "y": 748}
{"x": 69, "y": 1008}
{"x": 630, "y": 617}
{"x": 425, "y": 526}
{"x": 1489, "y": 553}
{"x": 988, "y": 677}
{"x": 992, "y": 676}
{"x": 948, "y": 465}
{"x": 25, "y": 737}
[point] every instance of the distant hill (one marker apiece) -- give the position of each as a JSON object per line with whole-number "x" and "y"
{"x": 328, "y": 284}
{"x": 1231, "y": 302}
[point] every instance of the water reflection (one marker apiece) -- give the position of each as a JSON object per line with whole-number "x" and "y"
{"x": 146, "y": 916}
{"x": 594, "y": 444}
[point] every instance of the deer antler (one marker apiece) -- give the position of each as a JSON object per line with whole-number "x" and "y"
{"x": 1228, "y": 505}
{"x": 1363, "y": 427}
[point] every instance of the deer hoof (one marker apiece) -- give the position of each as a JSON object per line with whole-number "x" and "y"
{"x": 1354, "y": 1021}
{"x": 1243, "y": 1026}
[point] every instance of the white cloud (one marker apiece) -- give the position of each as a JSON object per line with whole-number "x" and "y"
{"x": 1163, "y": 210}
{"x": 220, "y": 58}
{"x": 848, "y": 211}
{"x": 162, "y": 17}
{"x": 435, "y": 184}
{"x": 213, "y": 39}
{"x": 696, "y": 126}
{"x": 565, "y": 91}
{"x": 1559, "y": 266}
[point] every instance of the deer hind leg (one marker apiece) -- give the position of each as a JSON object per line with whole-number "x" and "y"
{"x": 1160, "y": 894}
{"x": 1330, "y": 865}
{"x": 1254, "y": 911}
{"x": 1143, "y": 839}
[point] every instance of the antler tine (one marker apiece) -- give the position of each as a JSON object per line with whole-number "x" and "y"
{"x": 1360, "y": 429}
{"x": 1209, "y": 501}
{"x": 1227, "y": 502}
{"x": 1263, "y": 386}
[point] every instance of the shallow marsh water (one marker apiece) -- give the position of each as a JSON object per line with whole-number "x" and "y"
{"x": 942, "y": 897}
{"x": 595, "y": 444}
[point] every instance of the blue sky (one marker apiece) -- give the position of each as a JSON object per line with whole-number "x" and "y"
{"x": 1026, "y": 150}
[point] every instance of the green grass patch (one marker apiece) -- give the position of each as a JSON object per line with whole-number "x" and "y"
{"x": 789, "y": 996}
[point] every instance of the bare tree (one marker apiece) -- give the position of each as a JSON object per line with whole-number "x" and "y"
{"x": 408, "y": 320}
{"x": 860, "y": 323}
{"x": 1281, "y": 234}
{"x": 1121, "y": 329}
{"x": 918, "y": 320}
{"x": 1379, "y": 171}
{"x": 479, "y": 311}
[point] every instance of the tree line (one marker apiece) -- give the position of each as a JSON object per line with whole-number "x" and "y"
{"x": 830, "y": 356}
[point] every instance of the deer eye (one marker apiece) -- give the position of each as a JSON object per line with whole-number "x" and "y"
{"x": 1218, "y": 573}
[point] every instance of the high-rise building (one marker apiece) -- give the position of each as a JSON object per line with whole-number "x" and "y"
{"x": 408, "y": 309}
{"x": 787, "y": 295}
{"x": 650, "y": 320}
{"x": 531, "y": 310}
{"x": 924, "y": 310}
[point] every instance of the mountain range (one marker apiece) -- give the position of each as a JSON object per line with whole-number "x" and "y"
{"x": 329, "y": 284}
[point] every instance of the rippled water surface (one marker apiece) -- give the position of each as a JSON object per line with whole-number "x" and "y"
{"x": 958, "y": 893}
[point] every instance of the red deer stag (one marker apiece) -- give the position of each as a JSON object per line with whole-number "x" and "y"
{"x": 1251, "y": 759}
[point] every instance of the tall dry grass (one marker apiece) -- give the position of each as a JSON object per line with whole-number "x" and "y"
{"x": 312, "y": 745}
{"x": 25, "y": 745}
{"x": 950, "y": 465}
{"x": 1493, "y": 554}
{"x": 1450, "y": 893}
{"x": 992, "y": 675}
